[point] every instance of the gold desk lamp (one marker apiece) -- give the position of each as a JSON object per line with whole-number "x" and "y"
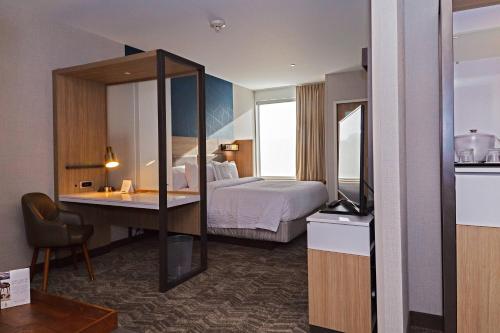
{"x": 110, "y": 161}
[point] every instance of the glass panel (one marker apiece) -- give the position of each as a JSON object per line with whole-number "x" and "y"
{"x": 277, "y": 132}
{"x": 184, "y": 246}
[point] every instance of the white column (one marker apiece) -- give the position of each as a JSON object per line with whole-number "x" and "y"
{"x": 389, "y": 164}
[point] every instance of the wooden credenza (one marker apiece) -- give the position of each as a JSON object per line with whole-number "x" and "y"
{"x": 341, "y": 273}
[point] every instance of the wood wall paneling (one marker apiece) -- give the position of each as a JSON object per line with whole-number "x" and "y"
{"x": 470, "y": 4}
{"x": 243, "y": 157}
{"x": 133, "y": 68}
{"x": 339, "y": 291}
{"x": 80, "y": 132}
{"x": 478, "y": 279}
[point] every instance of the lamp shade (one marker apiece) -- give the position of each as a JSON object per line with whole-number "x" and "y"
{"x": 110, "y": 160}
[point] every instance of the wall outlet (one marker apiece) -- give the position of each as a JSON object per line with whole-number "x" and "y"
{"x": 86, "y": 184}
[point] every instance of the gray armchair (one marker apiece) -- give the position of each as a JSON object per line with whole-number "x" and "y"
{"x": 49, "y": 227}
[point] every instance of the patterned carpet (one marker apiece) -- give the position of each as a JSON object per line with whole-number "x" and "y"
{"x": 244, "y": 289}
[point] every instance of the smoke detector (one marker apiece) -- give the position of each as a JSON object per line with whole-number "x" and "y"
{"x": 217, "y": 25}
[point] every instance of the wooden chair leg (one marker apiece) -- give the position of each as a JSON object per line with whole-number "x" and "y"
{"x": 75, "y": 260}
{"x": 34, "y": 259}
{"x": 46, "y": 270}
{"x": 87, "y": 261}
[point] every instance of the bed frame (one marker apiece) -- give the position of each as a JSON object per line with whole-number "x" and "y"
{"x": 287, "y": 231}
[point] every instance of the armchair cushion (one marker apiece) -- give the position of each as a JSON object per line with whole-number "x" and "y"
{"x": 78, "y": 234}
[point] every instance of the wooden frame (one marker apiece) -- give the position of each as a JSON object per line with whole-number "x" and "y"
{"x": 459, "y": 5}
{"x": 80, "y": 118}
{"x": 448, "y": 209}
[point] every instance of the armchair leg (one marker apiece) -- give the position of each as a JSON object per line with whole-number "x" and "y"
{"x": 33, "y": 262}
{"x": 87, "y": 261}
{"x": 46, "y": 270}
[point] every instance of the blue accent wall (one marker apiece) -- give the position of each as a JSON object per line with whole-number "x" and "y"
{"x": 219, "y": 107}
{"x": 184, "y": 112}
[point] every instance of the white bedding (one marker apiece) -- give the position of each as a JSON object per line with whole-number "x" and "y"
{"x": 252, "y": 203}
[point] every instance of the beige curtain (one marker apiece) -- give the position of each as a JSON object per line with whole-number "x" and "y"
{"x": 310, "y": 157}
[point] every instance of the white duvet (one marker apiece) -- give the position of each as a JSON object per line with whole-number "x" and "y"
{"x": 253, "y": 203}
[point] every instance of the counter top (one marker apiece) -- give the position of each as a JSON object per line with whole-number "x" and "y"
{"x": 146, "y": 200}
{"x": 363, "y": 221}
{"x": 487, "y": 169}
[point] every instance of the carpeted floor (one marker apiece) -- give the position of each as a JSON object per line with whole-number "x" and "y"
{"x": 244, "y": 289}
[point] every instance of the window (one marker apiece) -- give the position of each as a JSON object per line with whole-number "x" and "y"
{"x": 276, "y": 130}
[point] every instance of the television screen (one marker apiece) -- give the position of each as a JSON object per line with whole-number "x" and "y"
{"x": 350, "y": 157}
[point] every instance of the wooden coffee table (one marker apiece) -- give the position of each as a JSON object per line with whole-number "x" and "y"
{"x": 54, "y": 314}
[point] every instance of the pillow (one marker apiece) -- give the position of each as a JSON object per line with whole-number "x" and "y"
{"x": 210, "y": 173}
{"x": 179, "y": 177}
{"x": 192, "y": 175}
{"x": 233, "y": 170}
{"x": 222, "y": 170}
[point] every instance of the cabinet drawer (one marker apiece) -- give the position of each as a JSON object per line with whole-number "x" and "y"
{"x": 343, "y": 238}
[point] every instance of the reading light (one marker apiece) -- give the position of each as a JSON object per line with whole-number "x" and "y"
{"x": 110, "y": 161}
{"x": 110, "y": 158}
{"x": 230, "y": 147}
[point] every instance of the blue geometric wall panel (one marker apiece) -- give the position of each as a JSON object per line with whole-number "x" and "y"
{"x": 184, "y": 111}
{"x": 219, "y": 107}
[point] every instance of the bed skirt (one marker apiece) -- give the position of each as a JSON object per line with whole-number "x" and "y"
{"x": 286, "y": 232}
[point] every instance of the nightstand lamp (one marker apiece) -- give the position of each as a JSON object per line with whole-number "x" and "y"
{"x": 110, "y": 161}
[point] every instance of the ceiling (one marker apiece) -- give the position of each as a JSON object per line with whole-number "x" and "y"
{"x": 262, "y": 38}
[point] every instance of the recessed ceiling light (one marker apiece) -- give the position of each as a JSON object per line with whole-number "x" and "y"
{"x": 292, "y": 65}
{"x": 127, "y": 73}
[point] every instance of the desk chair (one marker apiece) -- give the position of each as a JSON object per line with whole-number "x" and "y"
{"x": 49, "y": 227}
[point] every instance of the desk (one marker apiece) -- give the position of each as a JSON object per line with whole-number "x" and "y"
{"x": 138, "y": 210}
{"x": 145, "y": 200}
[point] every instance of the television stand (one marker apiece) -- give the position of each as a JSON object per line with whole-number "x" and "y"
{"x": 341, "y": 207}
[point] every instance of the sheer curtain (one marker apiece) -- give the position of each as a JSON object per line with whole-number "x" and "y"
{"x": 311, "y": 132}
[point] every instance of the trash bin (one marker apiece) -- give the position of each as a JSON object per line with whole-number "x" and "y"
{"x": 180, "y": 251}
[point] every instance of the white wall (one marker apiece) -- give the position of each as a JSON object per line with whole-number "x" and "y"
{"x": 389, "y": 163}
{"x": 244, "y": 113}
{"x": 339, "y": 87}
{"x": 423, "y": 155}
{"x": 133, "y": 133}
{"x": 477, "y": 97}
{"x": 31, "y": 48}
{"x": 273, "y": 94}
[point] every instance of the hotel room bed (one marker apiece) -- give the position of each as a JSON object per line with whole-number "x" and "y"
{"x": 254, "y": 208}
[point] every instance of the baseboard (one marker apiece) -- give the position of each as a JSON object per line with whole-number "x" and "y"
{"x": 426, "y": 320}
{"x": 98, "y": 251}
{"x": 317, "y": 329}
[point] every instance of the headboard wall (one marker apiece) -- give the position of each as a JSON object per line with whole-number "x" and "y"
{"x": 185, "y": 149}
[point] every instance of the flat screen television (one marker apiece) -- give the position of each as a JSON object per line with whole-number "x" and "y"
{"x": 353, "y": 191}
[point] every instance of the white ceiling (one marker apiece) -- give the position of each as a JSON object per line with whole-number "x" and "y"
{"x": 262, "y": 38}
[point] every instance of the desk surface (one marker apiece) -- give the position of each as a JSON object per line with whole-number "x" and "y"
{"x": 147, "y": 200}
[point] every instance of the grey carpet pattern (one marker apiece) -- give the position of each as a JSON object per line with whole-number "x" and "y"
{"x": 244, "y": 289}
